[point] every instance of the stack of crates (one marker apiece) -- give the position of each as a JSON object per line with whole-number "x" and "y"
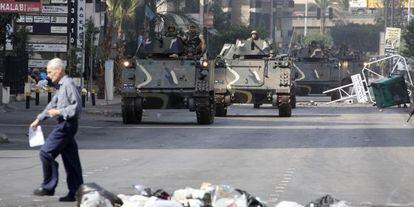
{"x": 390, "y": 91}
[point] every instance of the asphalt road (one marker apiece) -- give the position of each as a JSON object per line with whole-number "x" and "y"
{"x": 355, "y": 153}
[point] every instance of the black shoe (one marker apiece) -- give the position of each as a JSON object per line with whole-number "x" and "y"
{"x": 67, "y": 198}
{"x": 43, "y": 192}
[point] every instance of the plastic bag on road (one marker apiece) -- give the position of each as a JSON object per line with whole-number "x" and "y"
{"x": 155, "y": 202}
{"x": 94, "y": 199}
{"x": 182, "y": 195}
{"x": 288, "y": 204}
{"x": 226, "y": 196}
{"x": 133, "y": 201}
{"x": 148, "y": 192}
{"x": 93, "y": 189}
{"x": 327, "y": 201}
{"x": 252, "y": 201}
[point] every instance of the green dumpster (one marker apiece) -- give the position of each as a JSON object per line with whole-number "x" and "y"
{"x": 390, "y": 91}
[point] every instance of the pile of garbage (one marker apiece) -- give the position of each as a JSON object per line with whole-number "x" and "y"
{"x": 325, "y": 201}
{"x": 93, "y": 195}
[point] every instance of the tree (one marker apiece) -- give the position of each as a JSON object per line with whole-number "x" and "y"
{"x": 19, "y": 41}
{"x": 408, "y": 37}
{"x": 357, "y": 36}
{"x": 325, "y": 41}
{"x": 73, "y": 60}
{"x": 119, "y": 14}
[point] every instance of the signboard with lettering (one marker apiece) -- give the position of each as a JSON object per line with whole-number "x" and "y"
{"x": 392, "y": 40}
{"x": 59, "y": 20}
{"x": 29, "y": 19}
{"x": 21, "y": 19}
{"x": 48, "y": 47}
{"x": 20, "y": 7}
{"x": 360, "y": 92}
{"x": 58, "y": 30}
{"x": 72, "y": 22}
{"x": 81, "y": 22}
{"x": 59, "y": 1}
{"x": 41, "y": 19}
{"x": 40, "y": 63}
{"x": 55, "y": 10}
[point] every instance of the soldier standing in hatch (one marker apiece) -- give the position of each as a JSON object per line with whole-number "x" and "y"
{"x": 171, "y": 32}
{"x": 254, "y": 35}
{"x": 195, "y": 42}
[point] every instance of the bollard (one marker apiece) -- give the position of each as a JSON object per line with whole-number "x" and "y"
{"x": 27, "y": 100}
{"x": 93, "y": 97}
{"x": 83, "y": 97}
{"x": 49, "y": 94}
{"x": 37, "y": 96}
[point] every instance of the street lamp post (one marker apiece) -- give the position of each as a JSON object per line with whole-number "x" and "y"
{"x": 306, "y": 19}
{"x": 409, "y": 12}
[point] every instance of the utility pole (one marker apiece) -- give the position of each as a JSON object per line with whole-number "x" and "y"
{"x": 392, "y": 12}
{"x": 306, "y": 19}
{"x": 202, "y": 13}
{"x": 272, "y": 24}
{"x": 409, "y": 12}
{"x": 386, "y": 4}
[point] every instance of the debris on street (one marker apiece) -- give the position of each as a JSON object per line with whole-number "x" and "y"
{"x": 209, "y": 195}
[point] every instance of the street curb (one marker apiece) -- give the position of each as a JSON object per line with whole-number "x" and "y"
{"x": 108, "y": 113}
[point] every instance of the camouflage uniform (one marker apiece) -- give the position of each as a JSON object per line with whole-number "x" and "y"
{"x": 193, "y": 43}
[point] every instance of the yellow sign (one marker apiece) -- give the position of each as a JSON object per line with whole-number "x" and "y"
{"x": 377, "y": 4}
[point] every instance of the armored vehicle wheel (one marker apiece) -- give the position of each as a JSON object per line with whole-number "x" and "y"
{"x": 285, "y": 110}
{"x": 131, "y": 110}
{"x": 293, "y": 101}
{"x": 205, "y": 114}
{"x": 256, "y": 105}
{"x": 221, "y": 110}
{"x": 285, "y": 107}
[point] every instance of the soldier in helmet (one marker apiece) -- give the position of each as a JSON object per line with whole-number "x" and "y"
{"x": 195, "y": 42}
{"x": 257, "y": 42}
{"x": 171, "y": 32}
{"x": 254, "y": 35}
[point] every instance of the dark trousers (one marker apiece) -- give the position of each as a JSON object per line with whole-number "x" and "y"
{"x": 61, "y": 141}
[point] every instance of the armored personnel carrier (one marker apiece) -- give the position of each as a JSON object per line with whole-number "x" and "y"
{"x": 247, "y": 72}
{"x": 163, "y": 77}
{"x": 315, "y": 72}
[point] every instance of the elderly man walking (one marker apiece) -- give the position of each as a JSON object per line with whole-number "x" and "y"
{"x": 66, "y": 107}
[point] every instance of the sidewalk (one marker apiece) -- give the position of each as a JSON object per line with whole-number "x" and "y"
{"x": 102, "y": 106}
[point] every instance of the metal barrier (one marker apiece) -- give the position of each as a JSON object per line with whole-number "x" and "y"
{"x": 361, "y": 82}
{"x": 50, "y": 90}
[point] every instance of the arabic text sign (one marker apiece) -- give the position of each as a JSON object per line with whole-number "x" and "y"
{"x": 392, "y": 39}
{"x": 359, "y": 88}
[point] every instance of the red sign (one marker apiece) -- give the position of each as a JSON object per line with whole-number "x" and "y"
{"x": 20, "y": 7}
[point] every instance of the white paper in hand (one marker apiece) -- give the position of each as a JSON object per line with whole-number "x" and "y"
{"x": 36, "y": 137}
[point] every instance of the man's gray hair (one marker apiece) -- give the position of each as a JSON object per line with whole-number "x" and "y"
{"x": 56, "y": 63}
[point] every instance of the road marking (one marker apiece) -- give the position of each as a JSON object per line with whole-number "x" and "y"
{"x": 282, "y": 185}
